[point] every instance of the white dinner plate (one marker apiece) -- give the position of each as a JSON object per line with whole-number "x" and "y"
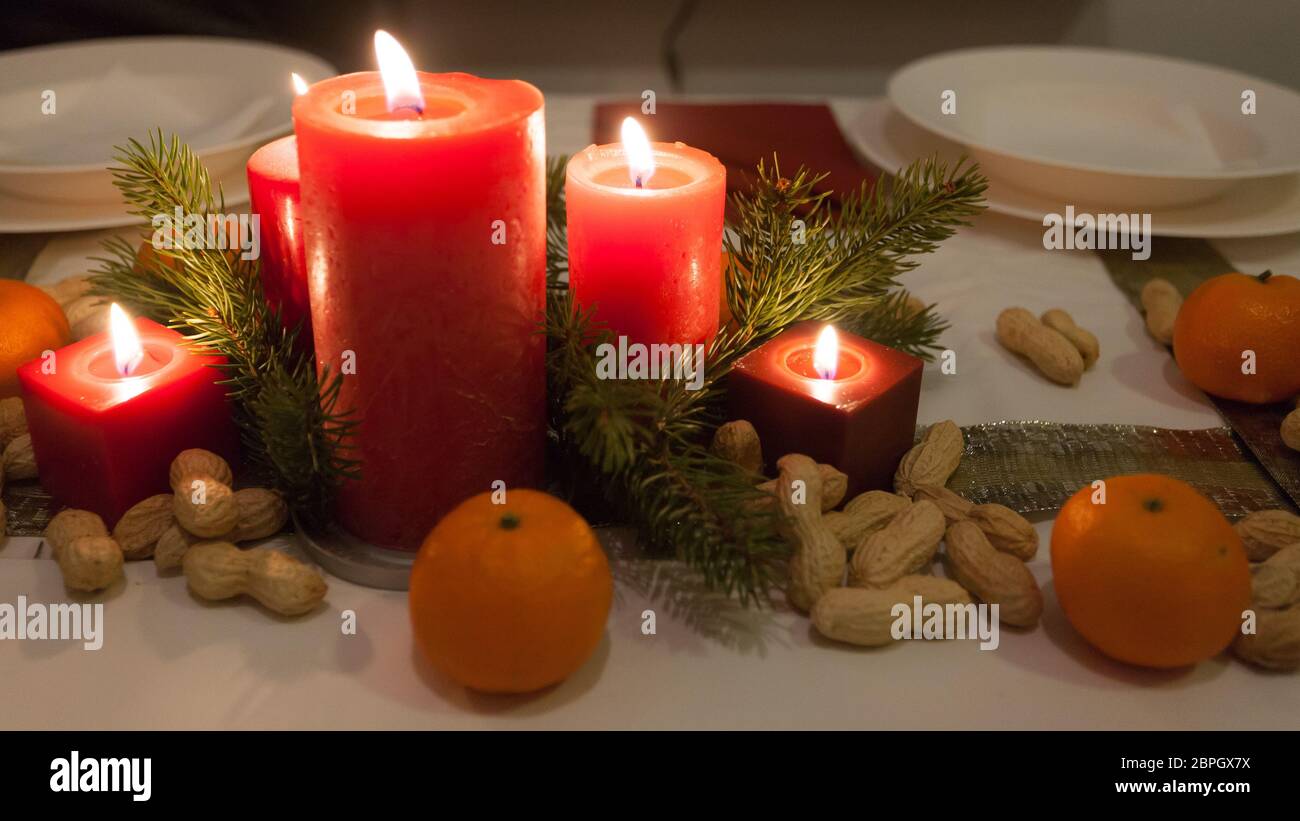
{"x": 1104, "y": 127}
{"x": 23, "y": 216}
{"x": 68, "y": 105}
{"x": 1253, "y": 208}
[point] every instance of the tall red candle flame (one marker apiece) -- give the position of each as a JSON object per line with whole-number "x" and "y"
{"x": 401, "y": 83}
{"x": 640, "y": 159}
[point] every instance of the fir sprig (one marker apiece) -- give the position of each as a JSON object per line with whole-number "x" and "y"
{"x": 292, "y": 432}
{"x": 557, "y": 245}
{"x": 796, "y": 258}
{"x": 643, "y": 444}
{"x": 645, "y": 440}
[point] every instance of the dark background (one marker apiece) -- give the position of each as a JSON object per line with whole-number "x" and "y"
{"x": 719, "y": 46}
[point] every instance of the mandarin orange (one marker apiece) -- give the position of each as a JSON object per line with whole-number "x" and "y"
{"x": 31, "y": 322}
{"x": 1238, "y": 337}
{"x": 1154, "y": 576}
{"x": 513, "y": 597}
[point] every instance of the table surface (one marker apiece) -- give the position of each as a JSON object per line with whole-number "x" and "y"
{"x": 169, "y": 660}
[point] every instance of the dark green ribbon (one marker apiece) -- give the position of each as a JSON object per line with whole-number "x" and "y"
{"x": 1187, "y": 263}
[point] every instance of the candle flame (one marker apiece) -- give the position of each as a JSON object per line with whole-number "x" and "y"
{"x": 127, "y": 352}
{"x": 826, "y": 354}
{"x": 401, "y": 83}
{"x": 640, "y": 159}
{"x": 299, "y": 84}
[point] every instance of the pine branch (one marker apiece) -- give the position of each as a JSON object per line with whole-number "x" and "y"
{"x": 642, "y": 440}
{"x": 291, "y": 429}
{"x": 842, "y": 267}
{"x": 557, "y": 222}
{"x": 645, "y": 439}
{"x": 895, "y": 325}
{"x": 644, "y": 446}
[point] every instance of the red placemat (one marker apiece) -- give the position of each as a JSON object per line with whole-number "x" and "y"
{"x": 741, "y": 134}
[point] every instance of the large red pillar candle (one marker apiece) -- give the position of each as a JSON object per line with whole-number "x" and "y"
{"x": 273, "y": 194}
{"x": 104, "y": 440}
{"x": 645, "y": 250}
{"x": 854, "y": 409}
{"x": 426, "y": 257}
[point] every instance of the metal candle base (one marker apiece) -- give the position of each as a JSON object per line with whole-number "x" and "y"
{"x": 355, "y": 560}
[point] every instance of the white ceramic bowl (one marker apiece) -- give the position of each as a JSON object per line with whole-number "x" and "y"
{"x": 1101, "y": 127}
{"x": 1268, "y": 206}
{"x": 223, "y": 97}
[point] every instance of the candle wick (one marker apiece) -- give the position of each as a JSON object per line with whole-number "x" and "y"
{"x": 416, "y": 107}
{"x": 131, "y": 364}
{"x": 638, "y": 182}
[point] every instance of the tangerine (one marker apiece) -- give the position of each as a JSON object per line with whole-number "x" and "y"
{"x": 31, "y": 322}
{"x": 1153, "y": 575}
{"x": 1238, "y": 336}
{"x": 513, "y": 597}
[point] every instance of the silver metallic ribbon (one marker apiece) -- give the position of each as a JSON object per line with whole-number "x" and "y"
{"x": 1028, "y": 466}
{"x": 1036, "y": 466}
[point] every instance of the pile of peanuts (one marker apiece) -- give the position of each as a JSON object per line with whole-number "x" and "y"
{"x": 193, "y": 529}
{"x": 852, "y": 565}
{"x": 1054, "y": 343}
{"x": 16, "y": 458}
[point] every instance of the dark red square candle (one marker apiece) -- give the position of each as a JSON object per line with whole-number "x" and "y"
{"x": 861, "y": 421}
{"x": 104, "y": 441}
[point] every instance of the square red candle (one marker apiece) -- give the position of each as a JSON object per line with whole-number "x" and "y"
{"x": 861, "y": 420}
{"x": 104, "y": 441}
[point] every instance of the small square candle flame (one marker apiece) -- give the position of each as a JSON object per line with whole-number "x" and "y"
{"x": 127, "y": 351}
{"x": 825, "y": 362}
{"x": 826, "y": 353}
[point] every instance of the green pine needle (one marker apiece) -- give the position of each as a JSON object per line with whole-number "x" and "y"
{"x": 293, "y": 434}
{"x": 557, "y": 247}
{"x": 645, "y": 441}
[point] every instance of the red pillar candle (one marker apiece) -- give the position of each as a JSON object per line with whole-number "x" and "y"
{"x": 104, "y": 439}
{"x": 645, "y": 238}
{"x": 426, "y": 258}
{"x": 273, "y": 193}
{"x": 854, "y": 408}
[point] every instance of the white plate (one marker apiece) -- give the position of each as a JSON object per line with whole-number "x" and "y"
{"x": 223, "y": 97}
{"x": 23, "y": 216}
{"x": 1104, "y": 127}
{"x": 1254, "y": 208}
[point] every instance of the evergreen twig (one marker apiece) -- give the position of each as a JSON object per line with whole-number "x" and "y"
{"x": 557, "y": 246}
{"x": 646, "y": 439}
{"x": 292, "y": 431}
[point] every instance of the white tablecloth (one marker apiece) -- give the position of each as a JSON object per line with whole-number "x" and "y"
{"x": 169, "y": 660}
